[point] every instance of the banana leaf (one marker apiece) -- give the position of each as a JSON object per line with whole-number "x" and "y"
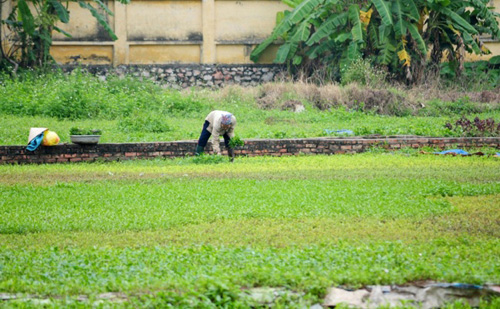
{"x": 328, "y": 27}
{"x": 299, "y": 13}
{"x": 26, "y": 17}
{"x": 384, "y": 11}
{"x": 357, "y": 26}
{"x": 104, "y": 7}
{"x": 410, "y": 9}
{"x": 387, "y": 52}
{"x": 320, "y": 49}
{"x": 302, "y": 33}
{"x": 62, "y": 31}
{"x": 460, "y": 21}
{"x": 412, "y": 28}
{"x": 399, "y": 27}
{"x": 61, "y": 11}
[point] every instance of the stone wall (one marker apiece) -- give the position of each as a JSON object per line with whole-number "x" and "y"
{"x": 183, "y": 76}
{"x": 253, "y": 147}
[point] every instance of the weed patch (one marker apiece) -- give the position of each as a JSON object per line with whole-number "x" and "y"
{"x": 144, "y": 122}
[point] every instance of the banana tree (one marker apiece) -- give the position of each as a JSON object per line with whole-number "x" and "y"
{"x": 396, "y": 33}
{"x": 395, "y": 37}
{"x": 33, "y": 21}
{"x": 340, "y": 32}
{"x": 316, "y": 29}
{"x": 453, "y": 27}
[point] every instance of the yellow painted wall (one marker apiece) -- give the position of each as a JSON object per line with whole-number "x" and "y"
{"x": 175, "y": 31}
{"x": 74, "y": 54}
{"x": 167, "y": 31}
{"x": 84, "y": 27}
{"x": 158, "y": 54}
{"x": 164, "y": 21}
{"x": 245, "y": 20}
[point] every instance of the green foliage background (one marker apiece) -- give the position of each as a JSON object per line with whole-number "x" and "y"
{"x": 131, "y": 110}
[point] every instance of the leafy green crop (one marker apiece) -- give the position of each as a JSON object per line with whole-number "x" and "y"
{"x": 188, "y": 234}
{"x": 236, "y": 142}
{"x": 80, "y": 131}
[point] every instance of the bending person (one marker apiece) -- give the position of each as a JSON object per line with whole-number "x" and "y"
{"x": 217, "y": 123}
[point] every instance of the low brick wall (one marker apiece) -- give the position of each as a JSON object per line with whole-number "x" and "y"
{"x": 253, "y": 147}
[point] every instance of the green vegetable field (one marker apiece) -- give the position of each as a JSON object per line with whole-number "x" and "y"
{"x": 200, "y": 232}
{"x": 184, "y": 233}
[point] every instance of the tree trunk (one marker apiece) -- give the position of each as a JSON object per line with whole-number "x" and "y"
{"x": 2, "y": 54}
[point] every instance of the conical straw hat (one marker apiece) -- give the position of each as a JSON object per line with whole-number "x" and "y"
{"x": 34, "y": 132}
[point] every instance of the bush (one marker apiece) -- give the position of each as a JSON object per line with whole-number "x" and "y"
{"x": 380, "y": 101}
{"x": 362, "y": 72}
{"x": 271, "y": 95}
{"x": 462, "y": 106}
{"x": 80, "y": 95}
{"x": 479, "y": 75}
{"x": 130, "y": 85}
{"x": 54, "y": 94}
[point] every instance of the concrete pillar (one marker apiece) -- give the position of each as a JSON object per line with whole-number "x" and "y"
{"x": 120, "y": 46}
{"x": 208, "y": 47}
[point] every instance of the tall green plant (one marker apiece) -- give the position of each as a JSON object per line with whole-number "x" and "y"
{"x": 397, "y": 34}
{"x": 33, "y": 22}
{"x": 452, "y": 27}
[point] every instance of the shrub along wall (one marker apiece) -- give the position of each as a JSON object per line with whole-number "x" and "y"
{"x": 253, "y": 147}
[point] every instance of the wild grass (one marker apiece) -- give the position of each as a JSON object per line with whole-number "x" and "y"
{"x": 201, "y": 234}
{"x": 251, "y": 124}
{"x": 131, "y": 110}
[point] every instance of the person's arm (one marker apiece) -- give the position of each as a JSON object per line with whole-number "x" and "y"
{"x": 215, "y": 141}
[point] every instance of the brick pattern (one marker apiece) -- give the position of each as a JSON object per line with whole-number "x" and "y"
{"x": 65, "y": 153}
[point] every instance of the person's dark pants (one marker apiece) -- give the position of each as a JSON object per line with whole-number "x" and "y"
{"x": 205, "y": 136}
